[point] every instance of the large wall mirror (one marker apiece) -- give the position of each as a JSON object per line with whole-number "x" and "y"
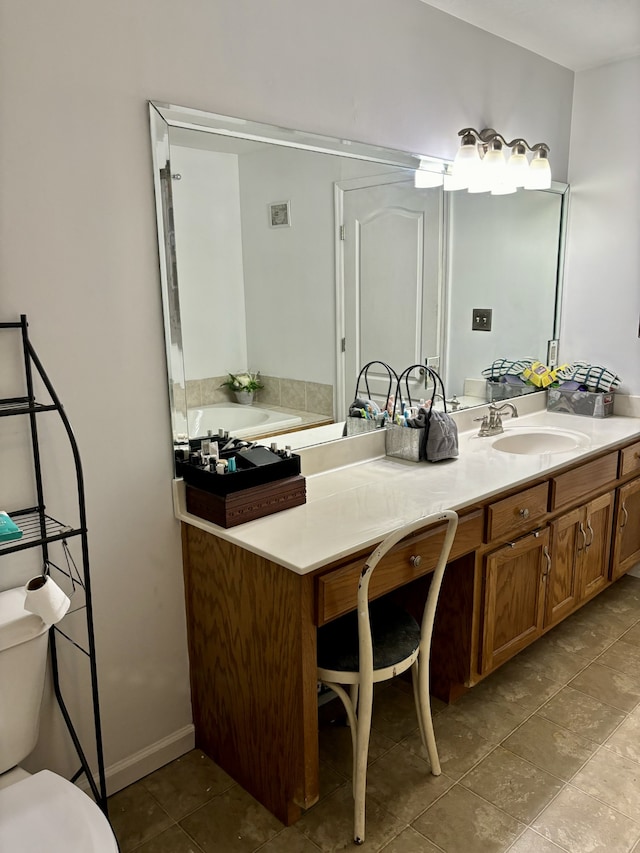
{"x": 303, "y": 257}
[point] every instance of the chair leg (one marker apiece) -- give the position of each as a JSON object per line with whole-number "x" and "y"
{"x": 416, "y": 698}
{"x": 353, "y": 695}
{"x": 353, "y": 692}
{"x": 420, "y": 678}
{"x": 365, "y": 707}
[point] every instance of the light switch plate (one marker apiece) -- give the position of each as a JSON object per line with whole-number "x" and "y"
{"x": 481, "y": 320}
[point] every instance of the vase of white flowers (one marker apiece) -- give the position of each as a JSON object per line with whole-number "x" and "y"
{"x": 243, "y": 385}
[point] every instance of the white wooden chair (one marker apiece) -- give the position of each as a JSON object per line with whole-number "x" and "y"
{"x": 375, "y": 644}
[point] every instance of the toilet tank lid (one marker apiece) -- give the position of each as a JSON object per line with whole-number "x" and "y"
{"x": 17, "y": 625}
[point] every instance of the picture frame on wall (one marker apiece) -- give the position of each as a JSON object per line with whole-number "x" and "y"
{"x": 280, "y": 214}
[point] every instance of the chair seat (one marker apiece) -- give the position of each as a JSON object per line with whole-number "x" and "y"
{"x": 395, "y": 634}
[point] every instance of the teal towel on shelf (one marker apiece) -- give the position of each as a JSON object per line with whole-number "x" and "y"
{"x": 8, "y": 529}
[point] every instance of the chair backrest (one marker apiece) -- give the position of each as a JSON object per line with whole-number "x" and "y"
{"x": 364, "y": 624}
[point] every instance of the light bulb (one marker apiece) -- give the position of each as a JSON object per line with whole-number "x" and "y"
{"x": 491, "y": 171}
{"x": 466, "y": 162}
{"x": 451, "y": 183}
{"x": 505, "y": 188}
{"x": 539, "y": 177}
{"x": 517, "y": 166}
{"x": 424, "y": 178}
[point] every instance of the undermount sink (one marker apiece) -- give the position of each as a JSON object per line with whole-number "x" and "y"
{"x": 533, "y": 441}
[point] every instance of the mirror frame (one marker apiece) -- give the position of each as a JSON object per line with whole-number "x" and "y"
{"x": 164, "y": 116}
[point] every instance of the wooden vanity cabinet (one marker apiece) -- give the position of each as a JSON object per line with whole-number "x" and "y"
{"x": 521, "y": 562}
{"x": 515, "y": 580}
{"x": 626, "y": 543}
{"x": 580, "y": 545}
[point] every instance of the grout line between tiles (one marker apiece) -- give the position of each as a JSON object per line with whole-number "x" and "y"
{"x": 198, "y": 849}
{"x": 155, "y": 834}
{"x": 278, "y": 834}
{"x": 568, "y": 785}
{"x": 540, "y": 835}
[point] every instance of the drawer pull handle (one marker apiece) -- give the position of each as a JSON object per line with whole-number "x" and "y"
{"x": 547, "y": 555}
{"x": 584, "y": 538}
{"x": 524, "y": 513}
{"x": 415, "y": 561}
{"x": 626, "y": 516}
{"x": 590, "y": 529}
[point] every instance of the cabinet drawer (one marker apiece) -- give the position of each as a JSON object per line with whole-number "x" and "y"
{"x": 516, "y": 514}
{"x": 570, "y": 487}
{"x": 337, "y": 591}
{"x": 630, "y": 459}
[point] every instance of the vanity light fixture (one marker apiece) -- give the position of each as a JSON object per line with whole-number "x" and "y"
{"x": 480, "y": 164}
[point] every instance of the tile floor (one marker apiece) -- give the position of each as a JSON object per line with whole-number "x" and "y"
{"x": 542, "y": 757}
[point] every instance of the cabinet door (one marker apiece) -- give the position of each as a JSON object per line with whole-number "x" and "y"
{"x": 568, "y": 541}
{"x": 594, "y": 561}
{"x": 514, "y": 592}
{"x": 626, "y": 547}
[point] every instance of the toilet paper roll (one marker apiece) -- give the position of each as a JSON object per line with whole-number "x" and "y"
{"x": 45, "y": 598}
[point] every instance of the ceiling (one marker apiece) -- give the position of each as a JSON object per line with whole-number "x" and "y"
{"x": 577, "y": 34}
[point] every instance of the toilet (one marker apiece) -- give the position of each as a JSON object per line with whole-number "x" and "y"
{"x": 42, "y": 811}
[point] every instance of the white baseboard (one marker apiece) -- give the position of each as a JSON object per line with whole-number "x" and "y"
{"x": 151, "y": 758}
{"x": 635, "y": 571}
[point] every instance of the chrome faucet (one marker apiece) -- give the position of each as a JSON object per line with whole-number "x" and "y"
{"x": 453, "y": 402}
{"x": 492, "y": 423}
{"x": 498, "y": 409}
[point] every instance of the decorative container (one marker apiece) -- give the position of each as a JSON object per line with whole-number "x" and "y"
{"x": 507, "y": 390}
{"x": 247, "y": 504}
{"x": 356, "y": 426}
{"x": 245, "y": 398}
{"x": 243, "y": 478}
{"x": 592, "y": 404}
{"x": 405, "y": 442}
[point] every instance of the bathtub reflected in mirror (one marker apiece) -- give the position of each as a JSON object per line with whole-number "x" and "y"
{"x": 239, "y": 420}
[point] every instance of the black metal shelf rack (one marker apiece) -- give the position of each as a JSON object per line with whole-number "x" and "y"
{"x": 40, "y": 530}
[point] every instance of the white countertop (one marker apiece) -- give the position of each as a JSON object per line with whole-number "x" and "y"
{"x": 355, "y": 506}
